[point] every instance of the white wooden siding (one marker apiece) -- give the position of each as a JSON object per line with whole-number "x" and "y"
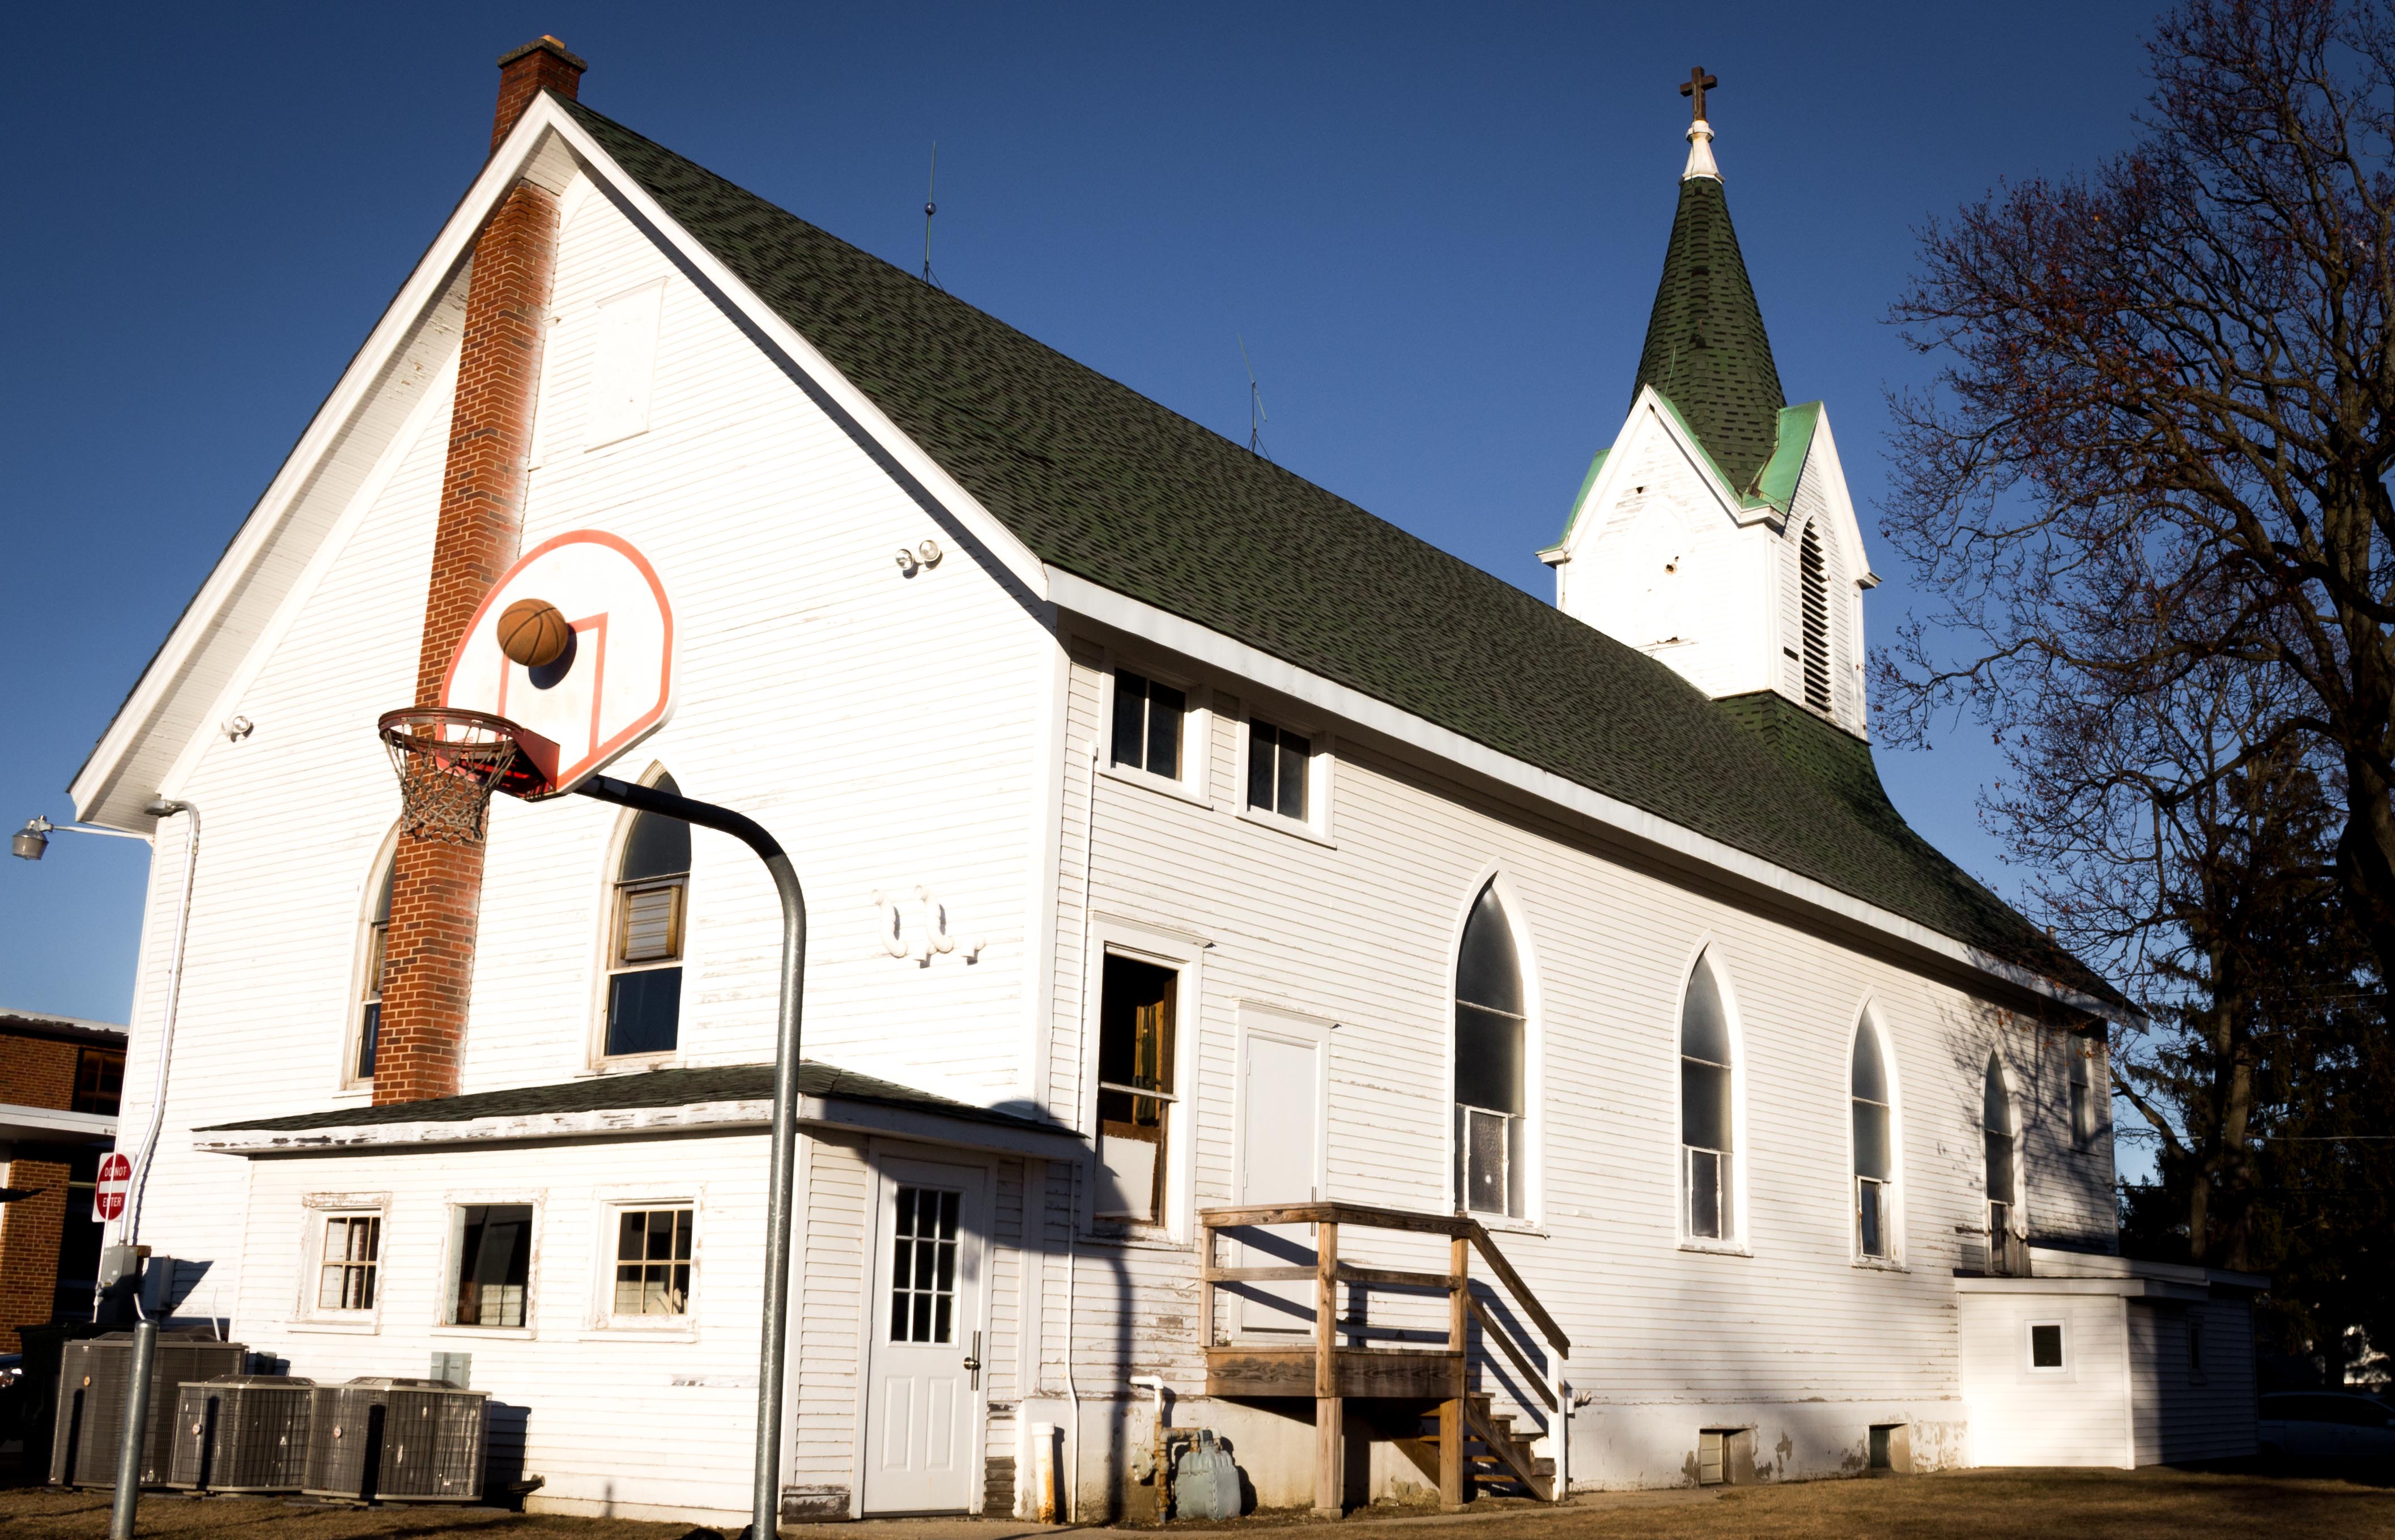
{"x": 2022, "y": 1417}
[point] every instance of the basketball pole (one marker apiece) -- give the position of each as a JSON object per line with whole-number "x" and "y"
{"x": 766, "y": 1501}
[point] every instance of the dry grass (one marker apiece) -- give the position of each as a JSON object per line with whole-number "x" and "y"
{"x": 1969, "y": 1506}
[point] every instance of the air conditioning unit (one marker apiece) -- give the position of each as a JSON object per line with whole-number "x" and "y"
{"x": 94, "y": 1375}
{"x": 242, "y": 1433}
{"x": 397, "y": 1439}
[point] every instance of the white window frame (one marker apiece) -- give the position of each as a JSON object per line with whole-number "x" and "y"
{"x": 1316, "y": 824}
{"x": 1892, "y": 1189}
{"x": 317, "y": 1210}
{"x": 453, "y": 1224}
{"x": 1195, "y": 782}
{"x": 605, "y": 969}
{"x": 1526, "y": 956}
{"x": 1184, "y": 953}
{"x": 1708, "y": 952}
{"x": 611, "y": 1205}
{"x": 2015, "y": 1109}
{"x": 2029, "y": 1348}
{"x": 362, "y": 962}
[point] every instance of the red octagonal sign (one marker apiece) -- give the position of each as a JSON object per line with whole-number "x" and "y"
{"x": 108, "y": 1198}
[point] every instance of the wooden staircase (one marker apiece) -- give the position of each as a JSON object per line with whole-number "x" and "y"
{"x": 1472, "y": 1443}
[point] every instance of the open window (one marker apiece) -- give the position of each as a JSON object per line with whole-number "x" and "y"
{"x": 373, "y": 947}
{"x": 1708, "y": 1110}
{"x": 648, "y": 914}
{"x": 1137, "y": 1027}
{"x": 1999, "y": 1131}
{"x": 491, "y": 1243}
{"x": 1874, "y": 1147}
{"x": 1491, "y": 1122}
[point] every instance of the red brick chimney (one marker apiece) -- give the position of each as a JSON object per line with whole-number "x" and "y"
{"x": 436, "y": 899}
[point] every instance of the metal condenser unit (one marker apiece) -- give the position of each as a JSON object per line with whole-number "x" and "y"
{"x": 242, "y": 1433}
{"x": 94, "y": 1375}
{"x": 403, "y": 1439}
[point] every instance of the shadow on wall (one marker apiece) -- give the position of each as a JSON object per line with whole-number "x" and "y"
{"x": 503, "y": 1454}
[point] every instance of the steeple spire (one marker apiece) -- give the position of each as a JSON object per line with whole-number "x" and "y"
{"x": 1707, "y": 352}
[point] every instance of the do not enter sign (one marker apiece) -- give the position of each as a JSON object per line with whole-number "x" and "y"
{"x": 108, "y": 1198}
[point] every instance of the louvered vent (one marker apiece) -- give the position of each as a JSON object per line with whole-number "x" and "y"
{"x": 1817, "y": 620}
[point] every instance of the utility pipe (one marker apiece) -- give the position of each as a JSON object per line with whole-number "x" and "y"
{"x": 1080, "y": 1091}
{"x": 165, "y": 808}
{"x": 765, "y": 1506}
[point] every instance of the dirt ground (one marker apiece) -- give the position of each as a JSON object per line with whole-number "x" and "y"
{"x": 2037, "y": 1505}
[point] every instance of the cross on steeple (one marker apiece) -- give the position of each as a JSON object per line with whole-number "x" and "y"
{"x": 1697, "y": 85}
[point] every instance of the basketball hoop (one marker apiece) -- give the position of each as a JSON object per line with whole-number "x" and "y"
{"x": 449, "y": 763}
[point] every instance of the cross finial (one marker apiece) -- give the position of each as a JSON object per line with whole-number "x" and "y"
{"x": 1698, "y": 84}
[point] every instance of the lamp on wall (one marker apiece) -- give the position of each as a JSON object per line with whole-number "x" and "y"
{"x": 28, "y": 842}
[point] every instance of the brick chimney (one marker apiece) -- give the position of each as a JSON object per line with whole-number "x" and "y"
{"x": 436, "y": 898}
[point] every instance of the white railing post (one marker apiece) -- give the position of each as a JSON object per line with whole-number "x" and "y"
{"x": 1561, "y": 1388}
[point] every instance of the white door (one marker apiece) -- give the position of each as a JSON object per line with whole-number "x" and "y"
{"x": 923, "y": 1397}
{"x": 1280, "y": 1162}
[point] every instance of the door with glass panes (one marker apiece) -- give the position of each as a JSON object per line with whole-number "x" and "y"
{"x": 922, "y": 1412}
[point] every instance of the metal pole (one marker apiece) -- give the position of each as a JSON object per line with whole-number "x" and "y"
{"x": 137, "y": 1428}
{"x": 765, "y": 1507}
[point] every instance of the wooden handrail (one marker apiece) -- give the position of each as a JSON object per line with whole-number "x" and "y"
{"x": 1335, "y": 1213}
{"x": 1521, "y": 1291}
{"x": 1494, "y": 1332}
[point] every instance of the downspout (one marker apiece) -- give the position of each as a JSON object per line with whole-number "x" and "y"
{"x": 1080, "y": 1091}
{"x": 165, "y": 808}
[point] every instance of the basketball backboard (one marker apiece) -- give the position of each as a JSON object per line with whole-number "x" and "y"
{"x": 613, "y": 683}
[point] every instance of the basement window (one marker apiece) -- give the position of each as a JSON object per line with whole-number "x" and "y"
{"x": 2045, "y": 1346}
{"x": 1721, "y": 1451}
{"x": 492, "y": 1244}
{"x": 1137, "y": 1046}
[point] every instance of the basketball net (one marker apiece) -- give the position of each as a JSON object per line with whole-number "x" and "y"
{"x": 449, "y": 763}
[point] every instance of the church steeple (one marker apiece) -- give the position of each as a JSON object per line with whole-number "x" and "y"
{"x": 1706, "y": 352}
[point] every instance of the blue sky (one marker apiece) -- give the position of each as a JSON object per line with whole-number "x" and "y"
{"x": 1437, "y": 229}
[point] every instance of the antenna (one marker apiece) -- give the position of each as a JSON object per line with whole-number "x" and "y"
{"x": 931, "y": 208}
{"x": 1256, "y": 417}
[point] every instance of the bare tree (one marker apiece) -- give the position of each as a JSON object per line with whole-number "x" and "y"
{"x": 2155, "y": 458}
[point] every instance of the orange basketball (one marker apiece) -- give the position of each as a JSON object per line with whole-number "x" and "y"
{"x": 533, "y": 633}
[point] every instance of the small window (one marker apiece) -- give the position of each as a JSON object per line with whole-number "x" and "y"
{"x": 352, "y": 1255}
{"x": 1721, "y": 1453}
{"x": 1706, "y": 1114}
{"x": 646, "y": 950}
{"x": 1148, "y": 724}
{"x": 1135, "y": 1087}
{"x": 2083, "y": 1093}
{"x": 375, "y": 944}
{"x": 1491, "y": 1132}
{"x": 1277, "y": 766}
{"x": 653, "y": 1262}
{"x": 923, "y": 1266}
{"x": 99, "y": 1079}
{"x": 494, "y": 1251}
{"x": 2045, "y": 1345}
{"x": 1874, "y": 1162}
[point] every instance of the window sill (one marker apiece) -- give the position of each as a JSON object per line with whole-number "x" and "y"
{"x": 688, "y": 1333}
{"x": 1499, "y": 1225}
{"x": 1134, "y": 1237}
{"x": 486, "y": 1333}
{"x": 630, "y": 1064}
{"x": 336, "y": 1328}
{"x": 1295, "y": 828}
{"x": 1881, "y": 1264}
{"x": 1717, "y": 1248}
{"x": 1178, "y": 790}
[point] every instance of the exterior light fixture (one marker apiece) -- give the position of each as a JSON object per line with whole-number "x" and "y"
{"x": 28, "y": 842}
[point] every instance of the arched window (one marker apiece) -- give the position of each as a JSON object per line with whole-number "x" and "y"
{"x": 1706, "y": 1115}
{"x": 2004, "y": 1192}
{"x": 1490, "y": 1104}
{"x": 373, "y": 945}
{"x": 1874, "y": 1160}
{"x": 1813, "y": 577}
{"x": 646, "y": 943}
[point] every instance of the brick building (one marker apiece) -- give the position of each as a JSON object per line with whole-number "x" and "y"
{"x": 59, "y": 1080}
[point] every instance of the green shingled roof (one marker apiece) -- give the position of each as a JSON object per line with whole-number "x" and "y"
{"x": 1102, "y": 482}
{"x": 1706, "y": 349}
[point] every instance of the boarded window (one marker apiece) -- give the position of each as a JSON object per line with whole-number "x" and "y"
{"x": 1135, "y": 1087}
{"x": 1148, "y": 724}
{"x": 653, "y": 1262}
{"x": 1874, "y": 1160}
{"x": 1490, "y": 1107}
{"x": 494, "y": 1250}
{"x": 1277, "y": 766}
{"x": 1706, "y": 1114}
{"x": 624, "y": 365}
{"x": 651, "y": 899}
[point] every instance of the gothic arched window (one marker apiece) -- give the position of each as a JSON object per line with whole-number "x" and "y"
{"x": 1707, "y": 1115}
{"x": 373, "y": 944}
{"x": 1490, "y": 1108}
{"x": 1874, "y": 1157}
{"x": 645, "y": 945}
{"x": 2003, "y": 1165}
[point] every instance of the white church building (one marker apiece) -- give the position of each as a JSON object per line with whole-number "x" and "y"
{"x": 1218, "y": 899}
